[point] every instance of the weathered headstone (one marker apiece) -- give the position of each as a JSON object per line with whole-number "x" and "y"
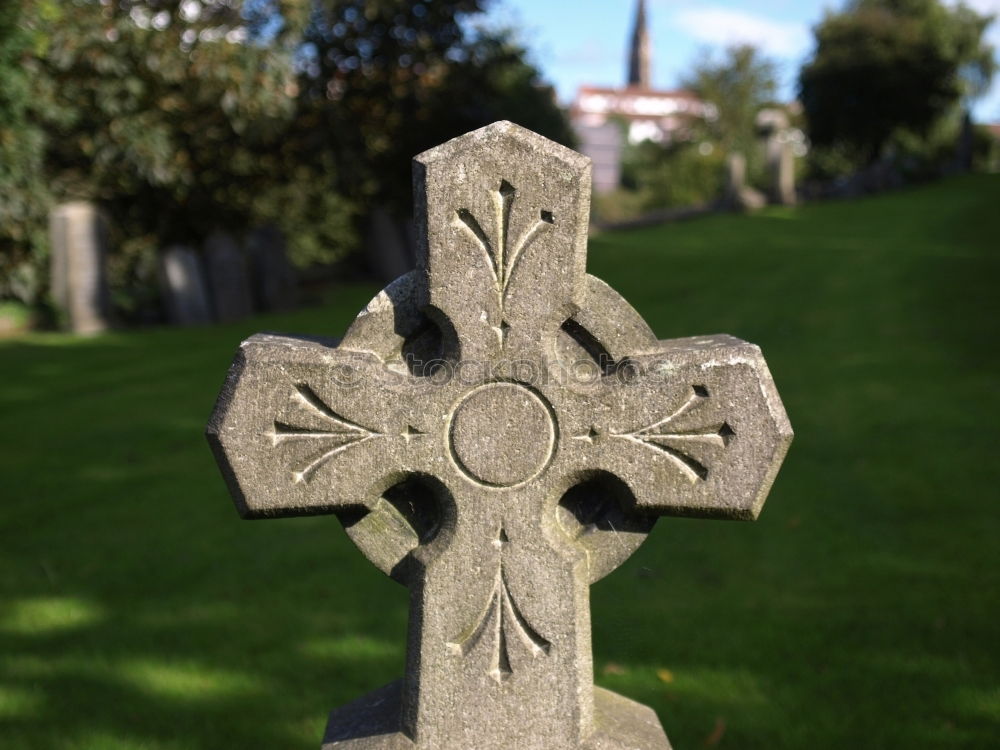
{"x": 228, "y": 277}
{"x": 774, "y": 125}
{"x": 182, "y": 283}
{"x": 736, "y": 174}
{"x": 79, "y": 280}
{"x": 274, "y": 282}
{"x": 530, "y": 461}
{"x": 783, "y": 173}
{"x": 739, "y": 195}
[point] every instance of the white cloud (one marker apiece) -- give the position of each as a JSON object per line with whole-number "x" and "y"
{"x": 725, "y": 26}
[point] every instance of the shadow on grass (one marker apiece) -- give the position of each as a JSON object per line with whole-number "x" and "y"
{"x": 237, "y": 653}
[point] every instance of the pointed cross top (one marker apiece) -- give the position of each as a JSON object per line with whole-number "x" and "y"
{"x": 501, "y": 214}
{"x": 496, "y": 431}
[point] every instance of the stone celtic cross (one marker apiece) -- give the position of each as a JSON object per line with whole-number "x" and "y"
{"x": 498, "y": 430}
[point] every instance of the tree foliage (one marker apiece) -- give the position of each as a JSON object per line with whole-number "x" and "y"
{"x": 160, "y": 111}
{"x": 881, "y": 66}
{"x": 182, "y": 116}
{"x": 388, "y": 79}
{"x": 24, "y": 197}
{"x": 738, "y": 84}
{"x": 676, "y": 175}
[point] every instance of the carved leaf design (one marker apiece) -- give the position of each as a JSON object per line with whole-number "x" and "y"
{"x": 500, "y": 253}
{"x": 342, "y": 433}
{"x": 502, "y": 623}
{"x": 686, "y": 448}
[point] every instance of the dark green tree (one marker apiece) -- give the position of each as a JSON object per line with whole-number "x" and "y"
{"x": 181, "y": 116}
{"x": 492, "y": 78}
{"x": 387, "y": 79}
{"x": 171, "y": 116}
{"x": 24, "y": 195}
{"x": 885, "y": 66}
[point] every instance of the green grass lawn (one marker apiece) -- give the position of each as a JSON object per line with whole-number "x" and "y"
{"x": 138, "y": 611}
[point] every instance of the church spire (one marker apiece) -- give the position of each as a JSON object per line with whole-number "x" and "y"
{"x": 639, "y": 58}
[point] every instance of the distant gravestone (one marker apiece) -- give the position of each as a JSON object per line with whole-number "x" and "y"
{"x": 736, "y": 174}
{"x": 604, "y": 145}
{"x": 79, "y": 266}
{"x": 274, "y": 282}
{"x": 779, "y": 147}
{"x": 228, "y": 277}
{"x": 389, "y": 245}
{"x": 965, "y": 148}
{"x": 783, "y": 173}
{"x": 739, "y": 195}
{"x": 530, "y": 461}
{"x": 182, "y": 282}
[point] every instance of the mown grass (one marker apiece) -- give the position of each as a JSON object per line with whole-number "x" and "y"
{"x": 137, "y": 611}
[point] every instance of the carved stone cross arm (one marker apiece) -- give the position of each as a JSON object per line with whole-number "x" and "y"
{"x": 295, "y": 432}
{"x": 497, "y": 430}
{"x": 691, "y": 427}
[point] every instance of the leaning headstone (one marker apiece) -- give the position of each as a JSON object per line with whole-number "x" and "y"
{"x": 228, "y": 277}
{"x": 79, "y": 280}
{"x": 739, "y": 195}
{"x": 274, "y": 281}
{"x": 182, "y": 283}
{"x": 530, "y": 463}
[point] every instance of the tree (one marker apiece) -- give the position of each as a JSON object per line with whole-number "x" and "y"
{"x": 369, "y": 67}
{"x": 738, "y": 85}
{"x": 387, "y": 79}
{"x": 882, "y": 66}
{"x": 164, "y": 108}
{"x": 165, "y": 113}
{"x": 491, "y": 78}
{"x": 675, "y": 175}
{"x": 182, "y": 116}
{"x": 24, "y": 195}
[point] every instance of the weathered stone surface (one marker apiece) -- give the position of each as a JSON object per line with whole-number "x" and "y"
{"x": 228, "y": 277}
{"x": 373, "y": 722}
{"x": 498, "y": 430}
{"x": 79, "y": 266}
{"x": 182, "y": 281}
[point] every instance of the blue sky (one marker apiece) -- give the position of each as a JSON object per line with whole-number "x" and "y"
{"x": 584, "y": 41}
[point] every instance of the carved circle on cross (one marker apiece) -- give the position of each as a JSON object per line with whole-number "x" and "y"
{"x": 503, "y": 434}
